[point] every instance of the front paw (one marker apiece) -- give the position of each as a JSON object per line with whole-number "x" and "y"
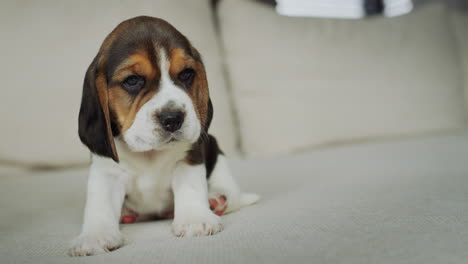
{"x": 194, "y": 222}
{"x": 93, "y": 244}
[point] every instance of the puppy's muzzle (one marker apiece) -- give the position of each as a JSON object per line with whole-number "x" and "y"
{"x": 171, "y": 121}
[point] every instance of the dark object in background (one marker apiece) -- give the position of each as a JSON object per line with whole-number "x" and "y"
{"x": 373, "y": 7}
{"x": 268, "y": 2}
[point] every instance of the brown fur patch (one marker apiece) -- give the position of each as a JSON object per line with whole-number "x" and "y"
{"x": 135, "y": 64}
{"x": 124, "y": 110}
{"x": 206, "y": 150}
{"x": 199, "y": 90}
{"x": 124, "y": 106}
{"x": 101, "y": 86}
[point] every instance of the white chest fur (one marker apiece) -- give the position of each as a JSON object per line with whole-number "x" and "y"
{"x": 148, "y": 177}
{"x": 149, "y": 189}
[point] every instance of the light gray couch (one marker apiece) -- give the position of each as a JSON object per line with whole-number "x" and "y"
{"x": 351, "y": 131}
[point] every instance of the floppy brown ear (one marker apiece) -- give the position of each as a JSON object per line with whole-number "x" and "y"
{"x": 209, "y": 115}
{"x": 205, "y": 107}
{"x": 94, "y": 124}
{"x": 203, "y": 95}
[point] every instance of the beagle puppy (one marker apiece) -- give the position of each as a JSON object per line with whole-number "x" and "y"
{"x": 145, "y": 114}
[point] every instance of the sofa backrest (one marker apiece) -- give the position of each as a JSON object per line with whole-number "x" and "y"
{"x": 299, "y": 83}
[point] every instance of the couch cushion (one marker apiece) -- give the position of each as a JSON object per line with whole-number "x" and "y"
{"x": 393, "y": 202}
{"x": 46, "y": 48}
{"x": 459, "y": 15}
{"x": 303, "y": 82}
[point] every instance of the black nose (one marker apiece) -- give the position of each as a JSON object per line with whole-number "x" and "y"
{"x": 171, "y": 121}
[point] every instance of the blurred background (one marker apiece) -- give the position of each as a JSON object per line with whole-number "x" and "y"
{"x": 283, "y": 79}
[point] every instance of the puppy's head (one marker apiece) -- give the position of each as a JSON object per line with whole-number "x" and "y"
{"x": 147, "y": 86}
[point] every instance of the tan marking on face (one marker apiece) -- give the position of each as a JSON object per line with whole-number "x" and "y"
{"x": 198, "y": 93}
{"x": 179, "y": 61}
{"x": 138, "y": 64}
{"x": 123, "y": 105}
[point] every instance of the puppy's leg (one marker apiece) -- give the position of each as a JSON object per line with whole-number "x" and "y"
{"x": 192, "y": 214}
{"x": 100, "y": 234}
{"x": 221, "y": 182}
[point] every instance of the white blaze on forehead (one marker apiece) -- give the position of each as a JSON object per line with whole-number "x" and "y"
{"x": 164, "y": 65}
{"x": 146, "y": 133}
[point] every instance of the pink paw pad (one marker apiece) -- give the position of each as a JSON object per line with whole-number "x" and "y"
{"x": 128, "y": 216}
{"x": 218, "y": 203}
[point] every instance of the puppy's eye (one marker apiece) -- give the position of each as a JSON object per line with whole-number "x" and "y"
{"x": 186, "y": 76}
{"x": 133, "y": 83}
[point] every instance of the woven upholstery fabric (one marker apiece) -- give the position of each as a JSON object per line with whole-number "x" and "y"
{"x": 394, "y": 202}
